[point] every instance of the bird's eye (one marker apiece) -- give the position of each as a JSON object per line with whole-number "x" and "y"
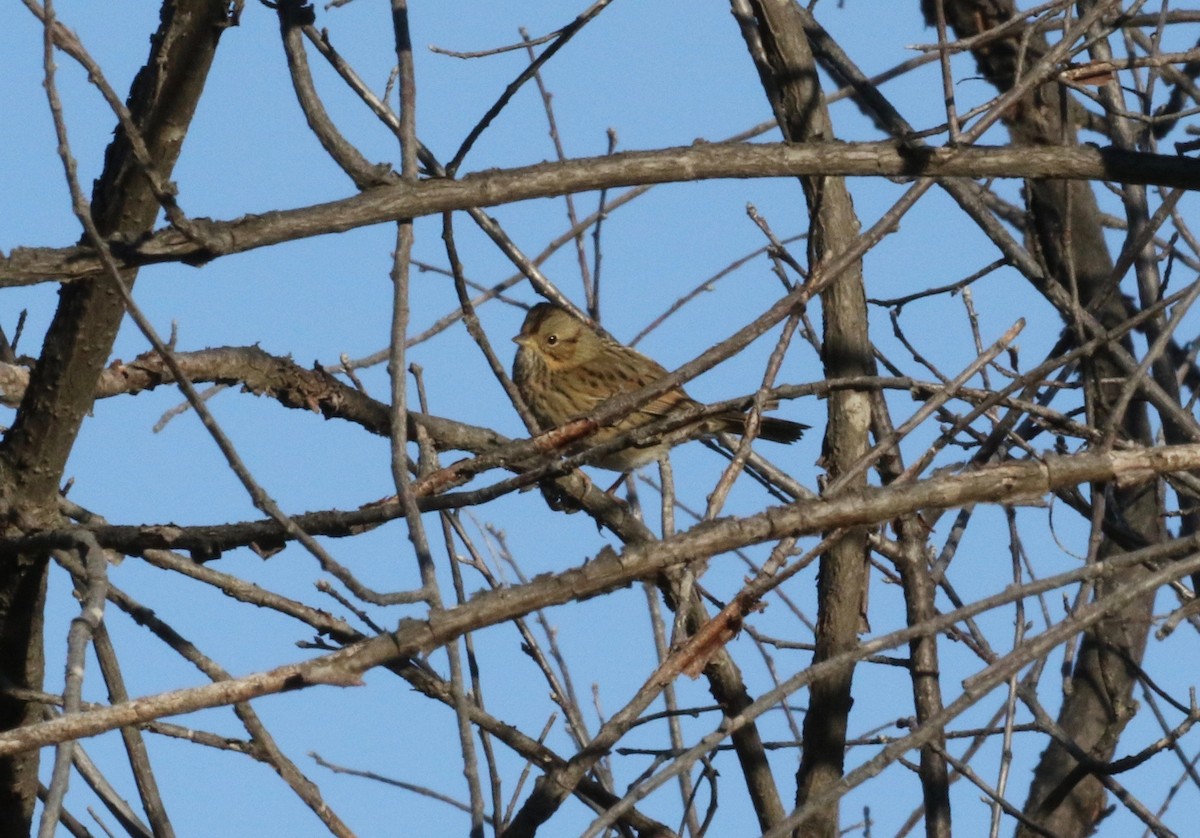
{"x": 551, "y": 340}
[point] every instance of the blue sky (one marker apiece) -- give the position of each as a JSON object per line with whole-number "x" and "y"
{"x": 659, "y": 74}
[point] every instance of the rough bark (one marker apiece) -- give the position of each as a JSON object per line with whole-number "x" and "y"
{"x": 789, "y": 77}
{"x": 62, "y": 386}
{"x": 1067, "y": 235}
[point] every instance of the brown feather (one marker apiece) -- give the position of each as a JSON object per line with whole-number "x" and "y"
{"x": 565, "y": 369}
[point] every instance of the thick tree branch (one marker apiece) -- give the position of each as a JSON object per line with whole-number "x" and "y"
{"x": 1009, "y": 483}
{"x": 24, "y": 266}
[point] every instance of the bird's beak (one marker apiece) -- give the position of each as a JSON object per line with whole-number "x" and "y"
{"x": 522, "y": 339}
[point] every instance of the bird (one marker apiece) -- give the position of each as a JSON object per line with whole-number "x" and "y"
{"x": 565, "y": 368}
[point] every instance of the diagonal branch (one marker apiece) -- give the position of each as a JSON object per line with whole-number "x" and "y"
{"x": 1008, "y": 483}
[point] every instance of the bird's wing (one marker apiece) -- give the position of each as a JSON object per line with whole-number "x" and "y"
{"x": 640, "y": 371}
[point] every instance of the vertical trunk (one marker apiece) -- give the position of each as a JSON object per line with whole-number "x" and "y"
{"x": 1066, "y": 233}
{"x": 775, "y": 35}
{"x": 35, "y": 451}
